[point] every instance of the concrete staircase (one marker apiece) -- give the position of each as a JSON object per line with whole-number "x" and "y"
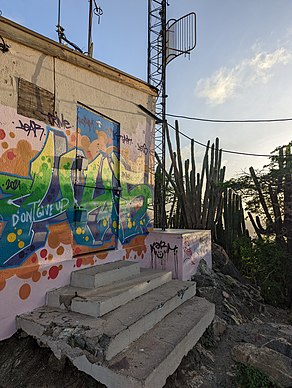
{"x": 126, "y": 327}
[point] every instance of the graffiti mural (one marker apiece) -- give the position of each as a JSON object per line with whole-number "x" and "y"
{"x": 49, "y": 178}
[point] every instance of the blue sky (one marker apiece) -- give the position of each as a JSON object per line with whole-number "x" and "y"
{"x": 240, "y": 69}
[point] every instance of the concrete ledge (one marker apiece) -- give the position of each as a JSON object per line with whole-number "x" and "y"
{"x": 102, "y": 275}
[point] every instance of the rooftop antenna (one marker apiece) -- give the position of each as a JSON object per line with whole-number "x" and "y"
{"x": 96, "y": 10}
{"x": 61, "y": 32}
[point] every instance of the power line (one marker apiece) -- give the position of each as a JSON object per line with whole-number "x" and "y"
{"x": 225, "y": 151}
{"x": 158, "y": 120}
{"x": 230, "y": 121}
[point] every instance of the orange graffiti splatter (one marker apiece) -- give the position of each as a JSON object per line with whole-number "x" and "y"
{"x": 36, "y": 276}
{"x": 83, "y": 250}
{"x": 137, "y": 245}
{"x": 17, "y": 160}
{"x": 87, "y": 260}
{"x": 24, "y": 291}
{"x": 102, "y": 255}
{"x": 60, "y": 251}
{"x": 59, "y": 233}
{"x": 28, "y": 270}
{"x": 2, "y": 284}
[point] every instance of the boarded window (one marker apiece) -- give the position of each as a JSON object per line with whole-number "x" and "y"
{"x": 34, "y": 102}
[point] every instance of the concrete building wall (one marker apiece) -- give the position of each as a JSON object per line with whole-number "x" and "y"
{"x": 57, "y": 215}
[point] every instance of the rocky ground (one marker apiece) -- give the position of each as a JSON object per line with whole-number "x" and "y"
{"x": 244, "y": 331}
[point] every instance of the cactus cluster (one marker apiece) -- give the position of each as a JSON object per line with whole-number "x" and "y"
{"x": 277, "y": 204}
{"x": 199, "y": 200}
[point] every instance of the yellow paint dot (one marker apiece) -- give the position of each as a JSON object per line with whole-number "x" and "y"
{"x": 20, "y": 244}
{"x": 134, "y": 223}
{"x": 130, "y": 225}
{"x": 115, "y": 224}
{"x": 83, "y": 231}
{"x": 11, "y": 237}
{"x": 104, "y": 222}
{"x": 19, "y": 232}
{"x": 86, "y": 238}
{"x": 141, "y": 222}
{"x": 78, "y": 230}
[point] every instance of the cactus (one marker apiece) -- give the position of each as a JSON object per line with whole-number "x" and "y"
{"x": 278, "y": 221}
{"x": 199, "y": 200}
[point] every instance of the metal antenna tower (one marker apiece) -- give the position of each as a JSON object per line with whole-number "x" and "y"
{"x": 166, "y": 41}
{"x": 156, "y": 75}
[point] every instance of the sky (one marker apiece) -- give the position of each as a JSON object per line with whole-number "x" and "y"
{"x": 240, "y": 69}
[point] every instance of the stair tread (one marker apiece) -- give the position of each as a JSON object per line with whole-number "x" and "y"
{"x": 104, "y": 274}
{"x": 128, "y": 314}
{"x": 162, "y": 338}
{"x": 101, "y": 268}
{"x": 105, "y": 292}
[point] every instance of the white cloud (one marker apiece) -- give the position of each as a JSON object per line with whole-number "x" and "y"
{"x": 225, "y": 83}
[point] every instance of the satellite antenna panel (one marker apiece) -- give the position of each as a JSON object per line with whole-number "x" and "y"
{"x": 180, "y": 36}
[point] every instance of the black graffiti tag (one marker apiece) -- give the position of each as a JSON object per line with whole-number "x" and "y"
{"x": 33, "y": 127}
{"x": 12, "y": 184}
{"x": 143, "y": 148}
{"x": 57, "y": 121}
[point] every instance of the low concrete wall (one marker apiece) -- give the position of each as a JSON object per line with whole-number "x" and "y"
{"x": 178, "y": 250}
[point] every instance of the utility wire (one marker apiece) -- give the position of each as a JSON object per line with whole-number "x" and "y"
{"x": 230, "y": 121}
{"x": 225, "y": 151}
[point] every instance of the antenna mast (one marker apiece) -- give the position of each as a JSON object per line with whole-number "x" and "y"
{"x": 93, "y": 9}
{"x": 96, "y": 10}
{"x": 59, "y": 22}
{"x": 166, "y": 41}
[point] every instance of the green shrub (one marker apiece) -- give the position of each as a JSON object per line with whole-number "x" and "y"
{"x": 207, "y": 339}
{"x": 250, "y": 377}
{"x": 264, "y": 262}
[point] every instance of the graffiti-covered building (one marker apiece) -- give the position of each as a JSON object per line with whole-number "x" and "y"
{"x": 76, "y": 167}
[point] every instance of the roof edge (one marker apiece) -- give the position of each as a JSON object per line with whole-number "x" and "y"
{"x": 20, "y": 34}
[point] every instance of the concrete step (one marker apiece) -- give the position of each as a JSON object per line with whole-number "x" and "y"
{"x": 146, "y": 362}
{"x": 101, "y": 275}
{"x": 99, "y": 301}
{"x": 129, "y": 322}
{"x": 156, "y": 355}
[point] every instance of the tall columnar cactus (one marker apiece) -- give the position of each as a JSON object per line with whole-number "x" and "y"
{"x": 277, "y": 204}
{"x": 198, "y": 200}
{"x": 231, "y": 223}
